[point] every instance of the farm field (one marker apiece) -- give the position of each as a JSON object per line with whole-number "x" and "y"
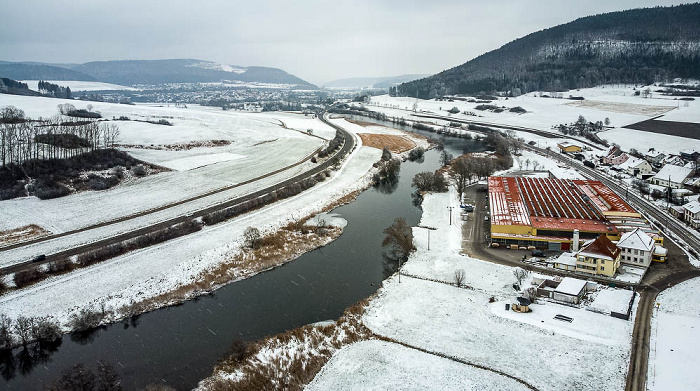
{"x": 256, "y": 144}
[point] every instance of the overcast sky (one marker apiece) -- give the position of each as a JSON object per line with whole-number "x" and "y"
{"x": 318, "y": 41}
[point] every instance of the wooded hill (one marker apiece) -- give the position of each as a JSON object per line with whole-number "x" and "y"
{"x": 635, "y": 46}
{"x": 129, "y": 72}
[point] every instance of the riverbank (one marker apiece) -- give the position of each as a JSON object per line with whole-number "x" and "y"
{"x": 430, "y": 317}
{"x": 194, "y": 265}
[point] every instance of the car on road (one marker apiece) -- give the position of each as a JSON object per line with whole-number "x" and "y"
{"x": 39, "y": 258}
{"x": 538, "y": 253}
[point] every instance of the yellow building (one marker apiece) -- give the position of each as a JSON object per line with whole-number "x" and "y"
{"x": 599, "y": 257}
{"x": 567, "y": 147}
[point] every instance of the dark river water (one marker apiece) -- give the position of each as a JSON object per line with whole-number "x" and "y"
{"x": 180, "y": 345}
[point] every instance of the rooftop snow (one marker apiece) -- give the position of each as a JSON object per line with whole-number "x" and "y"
{"x": 636, "y": 239}
{"x": 553, "y": 204}
{"x": 676, "y": 174}
{"x": 567, "y": 259}
{"x": 613, "y": 300}
{"x": 570, "y": 286}
{"x": 601, "y": 248}
{"x": 692, "y": 207}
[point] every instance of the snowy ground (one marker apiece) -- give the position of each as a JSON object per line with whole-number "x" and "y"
{"x": 674, "y": 345}
{"x": 158, "y": 269}
{"x": 460, "y": 322}
{"x": 382, "y": 365}
{"x": 146, "y": 273}
{"x": 617, "y": 103}
{"x": 259, "y": 144}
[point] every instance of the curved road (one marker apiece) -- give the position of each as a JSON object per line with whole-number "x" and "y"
{"x": 348, "y": 145}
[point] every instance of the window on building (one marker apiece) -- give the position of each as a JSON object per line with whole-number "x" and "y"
{"x": 602, "y": 268}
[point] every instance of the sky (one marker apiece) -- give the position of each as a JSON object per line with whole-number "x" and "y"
{"x": 319, "y": 41}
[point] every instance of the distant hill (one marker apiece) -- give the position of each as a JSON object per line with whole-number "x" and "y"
{"x": 634, "y": 46}
{"x": 129, "y": 72}
{"x": 372, "y": 82}
{"x": 37, "y": 71}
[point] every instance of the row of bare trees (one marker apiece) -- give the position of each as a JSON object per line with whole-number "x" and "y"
{"x": 23, "y": 139}
{"x": 467, "y": 167}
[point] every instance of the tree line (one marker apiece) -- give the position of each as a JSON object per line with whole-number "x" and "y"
{"x": 23, "y": 139}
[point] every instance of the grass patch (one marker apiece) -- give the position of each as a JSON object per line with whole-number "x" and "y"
{"x": 22, "y": 234}
{"x": 289, "y": 360}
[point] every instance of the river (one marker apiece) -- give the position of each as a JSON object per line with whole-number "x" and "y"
{"x": 178, "y": 346}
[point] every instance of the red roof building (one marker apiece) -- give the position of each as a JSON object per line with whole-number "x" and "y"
{"x": 537, "y": 211}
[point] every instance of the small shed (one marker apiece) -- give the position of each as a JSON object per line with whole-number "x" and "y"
{"x": 570, "y": 290}
{"x": 568, "y": 147}
{"x": 566, "y": 261}
{"x": 522, "y": 306}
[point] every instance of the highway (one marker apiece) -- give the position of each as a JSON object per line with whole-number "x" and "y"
{"x": 348, "y": 145}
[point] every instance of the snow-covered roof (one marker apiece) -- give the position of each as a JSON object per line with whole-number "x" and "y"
{"x": 631, "y": 162}
{"x": 653, "y": 154}
{"x": 570, "y": 286}
{"x": 601, "y": 248}
{"x": 677, "y": 174}
{"x": 636, "y": 239}
{"x": 692, "y": 207}
{"x": 658, "y": 250}
{"x": 566, "y": 259}
{"x": 613, "y": 300}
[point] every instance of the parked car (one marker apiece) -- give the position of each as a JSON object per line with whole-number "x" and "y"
{"x": 39, "y": 258}
{"x": 538, "y": 253}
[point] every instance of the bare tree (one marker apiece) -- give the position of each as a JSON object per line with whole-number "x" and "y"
{"x": 445, "y": 158}
{"x": 400, "y": 237}
{"x": 7, "y": 340}
{"x": 459, "y": 277}
{"x": 519, "y": 274}
{"x": 23, "y": 328}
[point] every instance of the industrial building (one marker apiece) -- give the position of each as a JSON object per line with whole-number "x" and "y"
{"x": 544, "y": 212}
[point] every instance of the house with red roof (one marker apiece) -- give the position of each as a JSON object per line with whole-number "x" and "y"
{"x": 600, "y": 257}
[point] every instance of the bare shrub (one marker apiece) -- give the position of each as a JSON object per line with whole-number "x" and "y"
{"x": 45, "y": 330}
{"x": 251, "y": 237}
{"x": 85, "y": 320}
{"x": 28, "y": 277}
{"x": 139, "y": 170}
{"x": 459, "y": 277}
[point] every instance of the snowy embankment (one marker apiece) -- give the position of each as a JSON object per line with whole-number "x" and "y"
{"x": 258, "y": 144}
{"x": 153, "y": 272}
{"x": 461, "y": 323}
{"x": 673, "y": 345}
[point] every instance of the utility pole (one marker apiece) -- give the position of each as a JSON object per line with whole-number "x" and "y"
{"x": 450, "y": 208}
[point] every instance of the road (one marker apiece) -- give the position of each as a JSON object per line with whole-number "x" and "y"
{"x": 348, "y": 145}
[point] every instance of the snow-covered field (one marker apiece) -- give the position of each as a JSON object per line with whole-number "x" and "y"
{"x": 617, "y": 103}
{"x": 158, "y": 269}
{"x": 259, "y": 145}
{"x": 380, "y": 365}
{"x": 460, "y": 322}
{"x": 674, "y": 345}
{"x": 76, "y": 85}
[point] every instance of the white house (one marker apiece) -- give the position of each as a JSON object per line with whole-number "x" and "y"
{"x": 635, "y": 167}
{"x": 691, "y": 213}
{"x": 654, "y": 157}
{"x": 636, "y": 248}
{"x": 672, "y": 176}
{"x": 570, "y": 290}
